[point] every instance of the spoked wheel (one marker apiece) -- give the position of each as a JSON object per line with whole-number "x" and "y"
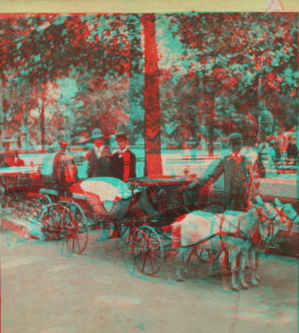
{"x": 60, "y": 225}
{"x": 28, "y": 209}
{"x": 127, "y": 255}
{"x": 44, "y": 200}
{"x": 195, "y": 261}
{"x": 188, "y": 266}
{"x": 205, "y": 256}
{"x": 128, "y": 223}
{"x": 147, "y": 250}
{"x": 80, "y": 225}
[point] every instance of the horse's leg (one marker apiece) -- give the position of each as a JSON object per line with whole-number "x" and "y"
{"x": 233, "y": 263}
{"x": 257, "y": 263}
{"x": 178, "y": 259}
{"x": 225, "y": 272}
{"x": 244, "y": 285}
{"x": 254, "y": 281}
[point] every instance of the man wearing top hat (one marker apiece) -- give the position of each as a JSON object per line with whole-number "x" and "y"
{"x": 65, "y": 171}
{"x": 127, "y": 155}
{"x": 236, "y": 178}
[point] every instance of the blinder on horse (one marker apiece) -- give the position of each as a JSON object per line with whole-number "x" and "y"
{"x": 266, "y": 241}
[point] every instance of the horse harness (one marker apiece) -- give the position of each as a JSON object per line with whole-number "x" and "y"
{"x": 238, "y": 234}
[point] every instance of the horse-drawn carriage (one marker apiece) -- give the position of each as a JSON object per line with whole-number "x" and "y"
{"x": 146, "y": 215}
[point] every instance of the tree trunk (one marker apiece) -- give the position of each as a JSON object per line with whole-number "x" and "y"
{"x": 152, "y": 121}
{"x": 25, "y": 126}
{"x": 1, "y": 116}
{"x": 211, "y": 132}
{"x": 25, "y": 132}
{"x": 211, "y": 139}
{"x": 42, "y": 122}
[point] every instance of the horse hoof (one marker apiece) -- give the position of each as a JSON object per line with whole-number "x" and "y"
{"x": 179, "y": 278}
{"x": 244, "y": 285}
{"x": 236, "y": 288}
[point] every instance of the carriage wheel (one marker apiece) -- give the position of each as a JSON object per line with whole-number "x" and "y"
{"x": 147, "y": 250}
{"x": 127, "y": 255}
{"x": 45, "y": 200}
{"x": 127, "y": 223}
{"x": 205, "y": 256}
{"x": 187, "y": 267}
{"x": 60, "y": 224}
{"x": 80, "y": 225}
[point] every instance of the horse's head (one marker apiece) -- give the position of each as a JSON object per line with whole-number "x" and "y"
{"x": 287, "y": 211}
{"x": 269, "y": 221}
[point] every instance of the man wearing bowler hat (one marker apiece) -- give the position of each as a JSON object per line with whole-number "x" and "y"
{"x": 65, "y": 171}
{"x": 101, "y": 161}
{"x": 236, "y": 178}
{"x": 96, "y": 153}
{"x": 127, "y": 155}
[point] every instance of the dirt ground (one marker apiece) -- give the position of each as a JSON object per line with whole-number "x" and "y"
{"x": 44, "y": 292}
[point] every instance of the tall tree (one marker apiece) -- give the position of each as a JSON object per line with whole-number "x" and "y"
{"x": 151, "y": 98}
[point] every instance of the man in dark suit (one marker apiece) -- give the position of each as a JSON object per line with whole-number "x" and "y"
{"x": 95, "y": 154}
{"x": 127, "y": 155}
{"x": 101, "y": 161}
{"x": 236, "y": 178}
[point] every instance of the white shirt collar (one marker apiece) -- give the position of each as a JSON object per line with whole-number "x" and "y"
{"x": 98, "y": 151}
{"x": 123, "y": 150}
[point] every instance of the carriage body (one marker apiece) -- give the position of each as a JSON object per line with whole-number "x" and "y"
{"x": 100, "y": 198}
{"x": 158, "y": 199}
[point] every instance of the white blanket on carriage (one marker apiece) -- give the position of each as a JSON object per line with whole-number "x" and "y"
{"x": 102, "y": 190}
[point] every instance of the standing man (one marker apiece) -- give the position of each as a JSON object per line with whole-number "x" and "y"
{"x": 95, "y": 154}
{"x": 102, "y": 162}
{"x": 236, "y": 178}
{"x": 65, "y": 172}
{"x": 129, "y": 158}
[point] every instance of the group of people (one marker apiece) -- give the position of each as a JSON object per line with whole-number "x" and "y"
{"x": 101, "y": 160}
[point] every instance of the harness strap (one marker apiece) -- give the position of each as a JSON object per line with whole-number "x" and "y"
{"x": 220, "y": 233}
{"x": 239, "y": 233}
{"x": 294, "y": 218}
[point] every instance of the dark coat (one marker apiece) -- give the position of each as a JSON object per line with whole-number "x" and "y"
{"x": 117, "y": 166}
{"x": 105, "y": 166}
{"x": 292, "y": 150}
{"x": 236, "y": 179}
{"x": 65, "y": 172}
{"x": 129, "y": 162}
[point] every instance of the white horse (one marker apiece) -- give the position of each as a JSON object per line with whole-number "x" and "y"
{"x": 264, "y": 239}
{"x": 202, "y": 231}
